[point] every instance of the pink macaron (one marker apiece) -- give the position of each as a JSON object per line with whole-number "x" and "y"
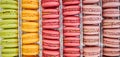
{"x": 90, "y": 1}
{"x": 92, "y": 9}
{"x": 109, "y": 42}
{"x": 50, "y": 13}
{"x": 51, "y": 44}
{"x": 50, "y": 34}
{"x": 111, "y": 23}
{"x": 71, "y": 10}
{"x": 71, "y": 21}
{"x": 48, "y": 53}
{"x": 91, "y": 40}
{"x": 50, "y": 3}
{"x": 71, "y": 52}
{"x": 92, "y": 19}
{"x": 71, "y": 2}
{"x": 111, "y": 4}
{"x": 91, "y": 51}
{"x": 72, "y": 41}
{"x": 105, "y": 1}
{"x": 111, "y": 13}
{"x": 50, "y": 23}
{"x": 111, "y": 52}
{"x": 90, "y": 30}
{"x": 112, "y": 33}
{"x": 71, "y": 31}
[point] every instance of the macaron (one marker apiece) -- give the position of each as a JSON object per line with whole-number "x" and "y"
{"x": 71, "y": 21}
{"x": 111, "y": 13}
{"x": 91, "y": 30}
{"x": 92, "y": 9}
{"x": 8, "y": 6}
{"x": 30, "y": 15}
{"x": 111, "y": 23}
{"x": 9, "y": 43}
{"x": 111, "y": 52}
{"x": 71, "y": 52}
{"x": 9, "y": 33}
{"x": 50, "y": 4}
{"x": 8, "y": 14}
{"x": 71, "y": 10}
{"x": 93, "y": 40}
{"x": 111, "y": 33}
{"x": 30, "y": 4}
{"x": 71, "y": 31}
{"x": 92, "y": 19}
{"x": 71, "y": 2}
{"x": 48, "y": 53}
{"x": 90, "y": 1}
{"x": 9, "y": 50}
{"x": 111, "y": 4}
{"x": 91, "y": 51}
{"x": 50, "y": 23}
{"x": 51, "y": 44}
{"x": 30, "y": 56}
{"x": 29, "y": 38}
{"x": 10, "y": 55}
{"x": 48, "y": 35}
{"x": 50, "y": 13}
{"x": 109, "y": 42}
{"x": 32, "y": 49}
{"x": 8, "y": 2}
{"x": 105, "y": 1}
{"x": 30, "y": 27}
{"x": 71, "y": 41}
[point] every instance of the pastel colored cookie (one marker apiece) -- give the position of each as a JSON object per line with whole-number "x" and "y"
{"x": 51, "y": 44}
{"x": 30, "y": 26}
{"x": 111, "y": 23}
{"x": 91, "y": 51}
{"x": 112, "y": 33}
{"x": 91, "y": 30}
{"x": 10, "y": 50}
{"x": 111, "y": 52}
{"x": 105, "y": 1}
{"x": 50, "y": 23}
{"x": 30, "y": 15}
{"x": 9, "y": 6}
{"x": 71, "y": 2}
{"x": 9, "y": 33}
{"x": 10, "y": 55}
{"x": 30, "y": 49}
{"x": 111, "y": 4}
{"x": 72, "y": 41}
{"x": 111, "y": 13}
{"x": 8, "y": 2}
{"x": 71, "y": 10}
{"x": 71, "y": 21}
{"x": 71, "y": 31}
{"x": 48, "y": 35}
{"x": 92, "y": 19}
{"x": 91, "y": 40}
{"x": 90, "y": 1}
{"x": 9, "y": 43}
{"x": 29, "y": 38}
{"x": 30, "y": 4}
{"x": 8, "y": 13}
{"x": 92, "y": 9}
{"x": 48, "y": 53}
{"x": 111, "y": 42}
{"x": 50, "y": 13}
{"x": 50, "y": 3}
{"x": 71, "y": 52}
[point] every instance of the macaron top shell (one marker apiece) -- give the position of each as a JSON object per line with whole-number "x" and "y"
{"x": 91, "y": 49}
{"x": 51, "y": 52}
{"x": 71, "y": 2}
{"x": 90, "y": 1}
{"x": 51, "y": 41}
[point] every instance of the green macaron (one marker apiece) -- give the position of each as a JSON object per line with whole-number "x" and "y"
{"x": 9, "y": 6}
{"x": 8, "y": 2}
{"x": 10, "y": 55}
{"x": 10, "y": 50}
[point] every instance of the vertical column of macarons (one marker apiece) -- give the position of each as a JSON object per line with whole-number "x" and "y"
{"x": 50, "y": 28}
{"x": 9, "y": 28}
{"x": 30, "y": 28}
{"x": 92, "y": 18}
{"x": 111, "y": 28}
{"x": 71, "y": 30}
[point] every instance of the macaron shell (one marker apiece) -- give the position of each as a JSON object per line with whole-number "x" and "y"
{"x": 90, "y": 1}
{"x": 71, "y": 2}
{"x": 111, "y": 4}
{"x": 8, "y": 1}
{"x": 51, "y": 53}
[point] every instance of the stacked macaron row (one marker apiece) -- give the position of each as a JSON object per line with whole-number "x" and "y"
{"x": 71, "y": 31}
{"x": 91, "y": 29}
{"x": 8, "y": 28}
{"x": 30, "y": 28}
{"x": 50, "y": 28}
{"x": 111, "y": 28}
